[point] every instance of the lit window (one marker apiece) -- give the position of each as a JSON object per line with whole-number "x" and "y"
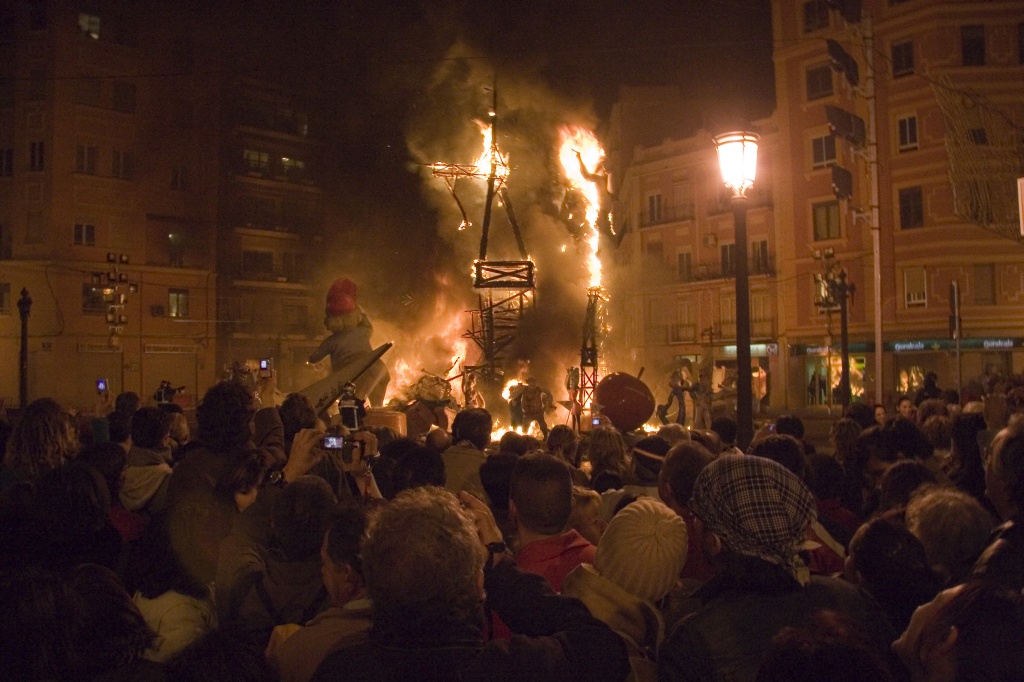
{"x": 89, "y": 25}
{"x": 915, "y": 287}
{"x": 177, "y": 303}
{"x": 96, "y": 299}
{"x": 256, "y": 161}
{"x": 826, "y": 220}
{"x": 908, "y": 133}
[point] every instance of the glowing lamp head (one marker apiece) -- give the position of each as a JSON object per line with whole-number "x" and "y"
{"x": 737, "y": 157}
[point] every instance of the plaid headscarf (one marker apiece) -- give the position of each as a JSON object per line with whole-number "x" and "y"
{"x": 756, "y": 506}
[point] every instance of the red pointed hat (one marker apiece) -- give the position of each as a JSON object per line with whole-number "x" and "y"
{"x": 341, "y": 297}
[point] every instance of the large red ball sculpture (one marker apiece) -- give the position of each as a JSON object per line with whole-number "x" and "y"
{"x": 625, "y": 400}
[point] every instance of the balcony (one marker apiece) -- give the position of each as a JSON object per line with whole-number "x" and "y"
{"x": 668, "y": 214}
{"x": 759, "y": 329}
{"x": 276, "y": 275}
{"x": 759, "y": 265}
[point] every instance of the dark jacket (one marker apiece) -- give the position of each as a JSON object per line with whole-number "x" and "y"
{"x": 200, "y": 517}
{"x": 560, "y": 641}
{"x": 744, "y": 607}
{"x": 1003, "y": 559}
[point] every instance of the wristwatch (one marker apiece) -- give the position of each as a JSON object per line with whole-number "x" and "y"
{"x": 494, "y": 549}
{"x": 276, "y": 478}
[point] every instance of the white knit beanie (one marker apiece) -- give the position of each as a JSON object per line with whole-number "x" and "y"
{"x": 643, "y": 549}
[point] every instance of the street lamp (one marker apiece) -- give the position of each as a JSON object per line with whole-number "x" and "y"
{"x": 737, "y": 157}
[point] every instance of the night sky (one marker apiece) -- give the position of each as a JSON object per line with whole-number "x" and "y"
{"x": 398, "y": 84}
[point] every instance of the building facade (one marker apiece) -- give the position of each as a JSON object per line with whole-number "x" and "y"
{"x": 106, "y": 214}
{"x": 269, "y": 231}
{"x": 933, "y": 88}
{"x": 921, "y": 106}
{"x": 677, "y": 261}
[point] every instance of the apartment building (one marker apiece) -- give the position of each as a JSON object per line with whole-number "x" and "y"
{"x": 676, "y": 266}
{"x": 106, "y": 214}
{"x": 944, "y": 119}
{"x": 269, "y": 228}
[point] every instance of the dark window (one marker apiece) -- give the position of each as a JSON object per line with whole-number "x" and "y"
{"x": 85, "y": 235}
{"x": 911, "y": 208}
{"x": 684, "y": 266}
{"x": 8, "y": 18}
{"x": 727, "y": 253}
{"x": 908, "y": 133}
{"x": 96, "y": 298}
{"x": 37, "y": 156}
{"x": 759, "y": 262}
{"x": 977, "y": 136}
{"x": 826, "y": 220}
{"x": 654, "y": 208}
{"x": 176, "y": 249}
{"x": 6, "y": 162}
{"x": 7, "y": 91}
{"x": 902, "y": 58}
{"x": 5, "y": 298}
{"x": 815, "y": 15}
{"x": 6, "y": 242}
{"x": 972, "y": 45}
{"x": 85, "y": 159}
{"x": 36, "y": 90}
{"x": 177, "y": 303}
{"x": 122, "y": 165}
{"x": 88, "y": 90}
{"x": 124, "y": 97}
{"x": 1020, "y": 43}
{"x": 819, "y": 82}
{"x": 37, "y": 18}
{"x": 985, "y": 284}
{"x": 179, "y": 178}
{"x": 257, "y": 261}
{"x": 823, "y": 151}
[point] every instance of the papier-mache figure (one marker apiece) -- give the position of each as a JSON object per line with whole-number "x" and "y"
{"x": 350, "y": 337}
{"x": 533, "y": 401}
{"x": 676, "y": 390}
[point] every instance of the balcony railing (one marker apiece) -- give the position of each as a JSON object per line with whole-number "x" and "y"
{"x": 759, "y": 265}
{"x": 668, "y": 214}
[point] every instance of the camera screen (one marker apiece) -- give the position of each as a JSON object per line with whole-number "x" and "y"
{"x": 333, "y": 442}
{"x": 264, "y": 364}
{"x": 101, "y": 384}
{"x": 596, "y": 421}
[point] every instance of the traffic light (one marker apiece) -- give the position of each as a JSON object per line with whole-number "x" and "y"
{"x": 843, "y": 62}
{"x": 846, "y": 125}
{"x": 842, "y": 182}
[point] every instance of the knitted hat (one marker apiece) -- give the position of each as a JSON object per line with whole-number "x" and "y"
{"x": 643, "y": 549}
{"x": 756, "y": 506}
{"x": 341, "y": 297}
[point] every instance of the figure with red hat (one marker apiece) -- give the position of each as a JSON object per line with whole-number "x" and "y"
{"x": 350, "y": 336}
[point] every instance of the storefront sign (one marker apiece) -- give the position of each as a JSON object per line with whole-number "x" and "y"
{"x": 757, "y": 350}
{"x": 925, "y": 345}
{"x": 798, "y": 349}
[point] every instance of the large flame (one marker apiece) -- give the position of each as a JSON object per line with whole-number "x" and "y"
{"x": 491, "y": 154}
{"x": 576, "y": 139}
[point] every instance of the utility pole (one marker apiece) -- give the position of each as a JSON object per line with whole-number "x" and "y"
{"x": 843, "y": 292}
{"x": 24, "y": 307}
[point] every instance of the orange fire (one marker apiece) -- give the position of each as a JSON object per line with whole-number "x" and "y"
{"x": 491, "y": 154}
{"x": 579, "y": 140}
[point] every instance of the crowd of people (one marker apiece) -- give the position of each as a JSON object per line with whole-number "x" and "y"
{"x": 245, "y": 542}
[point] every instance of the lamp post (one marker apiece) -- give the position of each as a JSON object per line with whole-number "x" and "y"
{"x": 24, "y": 308}
{"x": 737, "y": 157}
